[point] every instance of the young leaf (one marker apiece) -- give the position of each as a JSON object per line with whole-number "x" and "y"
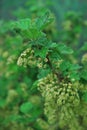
{"x": 51, "y": 45}
{"x": 26, "y": 107}
{"x": 41, "y": 52}
{"x": 31, "y": 33}
{"x": 22, "y": 24}
{"x": 43, "y": 21}
{"x": 63, "y": 49}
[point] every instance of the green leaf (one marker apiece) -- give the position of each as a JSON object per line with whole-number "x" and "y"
{"x": 41, "y": 52}
{"x": 31, "y": 110}
{"x": 34, "y": 86}
{"x": 74, "y": 75}
{"x": 70, "y": 69}
{"x": 22, "y": 24}
{"x": 36, "y": 112}
{"x": 55, "y": 56}
{"x": 65, "y": 65}
{"x": 83, "y": 74}
{"x": 51, "y": 45}
{"x": 63, "y": 49}
{"x": 26, "y": 107}
{"x": 85, "y": 96}
{"x": 43, "y": 21}
{"x": 75, "y": 67}
{"x": 31, "y": 33}
{"x": 43, "y": 72}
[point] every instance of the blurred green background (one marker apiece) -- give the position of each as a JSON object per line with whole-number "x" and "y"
{"x": 60, "y": 7}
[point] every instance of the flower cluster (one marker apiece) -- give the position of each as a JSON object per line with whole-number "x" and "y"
{"x": 48, "y": 87}
{"x": 56, "y": 64}
{"x": 11, "y": 59}
{"x": 68, "y": 93}
{"x": 60, "y": 98}
{"x": 28, "y": 58}
{"x": 43, "y": 124}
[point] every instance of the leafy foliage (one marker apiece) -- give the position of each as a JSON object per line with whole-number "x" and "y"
{"x": 43, "y": 82}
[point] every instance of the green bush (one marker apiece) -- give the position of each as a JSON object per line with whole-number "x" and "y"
{"x": 43, "y": 81}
